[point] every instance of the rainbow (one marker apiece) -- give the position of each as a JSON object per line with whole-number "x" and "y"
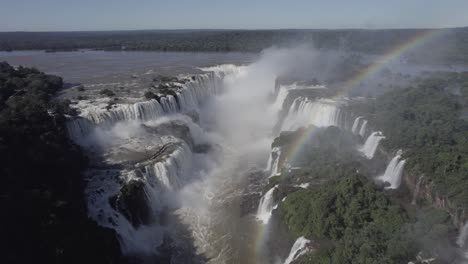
{"x": 367, "y": 72}
{"x": 305, "y": 134}
{"x": 412, "y": 43}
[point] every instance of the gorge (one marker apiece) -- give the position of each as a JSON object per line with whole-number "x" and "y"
{"x": 240, "y": 164}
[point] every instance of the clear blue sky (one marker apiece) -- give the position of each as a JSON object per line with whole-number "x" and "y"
{"x": 63, "y": 15}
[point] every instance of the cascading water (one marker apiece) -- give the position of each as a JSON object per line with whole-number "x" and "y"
{"x": 189, "y": 96}
{"x": 370, "y": 146}
{"x": 171, "y": 170}
{"x": 282, "y": 94}
{"x": 266, "y": 206}
{"x": 394, "y": 171}
{"x": 355, "y": 128}
{"x": 208, "y": 207}
{"x": 298, "y": 249}
{"x": 461, "y": 240}
{"x": 305, "y": 111}
{"x": 133, "y": 154}
{"x": 273, "y": 161}
{"x": 362, "y": 131}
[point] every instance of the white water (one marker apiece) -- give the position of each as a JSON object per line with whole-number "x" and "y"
{"x": 394, "y": 171}
{"x": 266, "y": 206}
{"x": 273, "y": 161}
{"x": 370, "y": 146}
{"x": 190, "y": 96}
{"x": 298, "y": 249}
{"x": 461, "y": 240}
{"x": 243, "y": 118}
{"x": 305, "y": 111}
{"x": 282, "y": 94}
{"x": 172, "y": 170}
{"x": 362, "y": 131}
{"x": 463, "y": 236}
{"x": 116, "y": 135}
{"x": 355, "y": 128}
{"x": 132, "y": 239}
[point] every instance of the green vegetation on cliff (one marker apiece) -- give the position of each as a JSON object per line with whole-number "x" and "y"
{"x": 348, "y": 217}
{"x": 42, "y": 191}
{"x": 427, "y": 122}
{"x": 353, "y": 222}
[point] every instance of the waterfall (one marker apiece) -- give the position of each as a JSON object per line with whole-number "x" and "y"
{"x": 172, "y": 170}
{"x": 298, "y": 249}
{"x": 169, "y": 104}
{"x": 266, "y": 206}
{"x": 355, "y": 128}
{"x": 167, "y": 170}
{"x": 371, "y": 144}
{"x": 78, "y": 127}
{"x": 273, "y": 161}
{"x": 104, "y": 184}
{"x": 463, "y": 236}
{"x": 304, "y": 112}
{"x": 189, "y": 96}
{"x": 280, "y": 97}
{"x": 394, "y": 171}
{"x": 362, "y": 131}
{"x": 461, "y": 240}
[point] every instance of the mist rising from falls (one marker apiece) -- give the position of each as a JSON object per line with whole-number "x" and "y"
{"x": 266, "y": 206}
{"x": 318, "y": 112}
{"x": 244, "y": 117}
{"x": 298, "y": 249}
{"x": 370, "y": 146}
{"x": 394, "y": 171}
{"x": 142, "y": 149}
{"x": 140, "y": 144}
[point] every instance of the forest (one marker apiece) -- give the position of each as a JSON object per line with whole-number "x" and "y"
{"x": 428, "y": 121}
{"x": 349, "y": 218}
{"x": 42, "y": 191}
{"x": 450, "y": 47}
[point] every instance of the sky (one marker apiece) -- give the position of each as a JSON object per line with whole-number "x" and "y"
{"x": 76, "y": 15}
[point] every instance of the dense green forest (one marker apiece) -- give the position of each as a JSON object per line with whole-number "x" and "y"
{"x": 42, "y": 192}
{"x": 349, "y": 218}
{"x": 429, "y": 123}
{"x": 450, "y": 47}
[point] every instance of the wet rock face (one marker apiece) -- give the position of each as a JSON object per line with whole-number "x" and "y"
{"x": 202, "y": 148}
{"x": 131, "y": 202}
{"x": 174, "y": 128}
{"x": 253, "y": 193}
{"x": 423, "y": 190}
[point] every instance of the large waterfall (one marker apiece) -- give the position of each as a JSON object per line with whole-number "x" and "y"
{"x": 298, "y": 249}
{"x": 189, "y": 97}
{"x": 394, "y": 171}
{"x": 318, "y": 112}
{"x": 152, "y": 169}
{"x": 370, "y": 146}
{"x": 266, "y": 206}
{"x": 144, "y": 153}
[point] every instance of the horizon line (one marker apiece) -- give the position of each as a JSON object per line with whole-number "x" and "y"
{"x": 233, "y": 29}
